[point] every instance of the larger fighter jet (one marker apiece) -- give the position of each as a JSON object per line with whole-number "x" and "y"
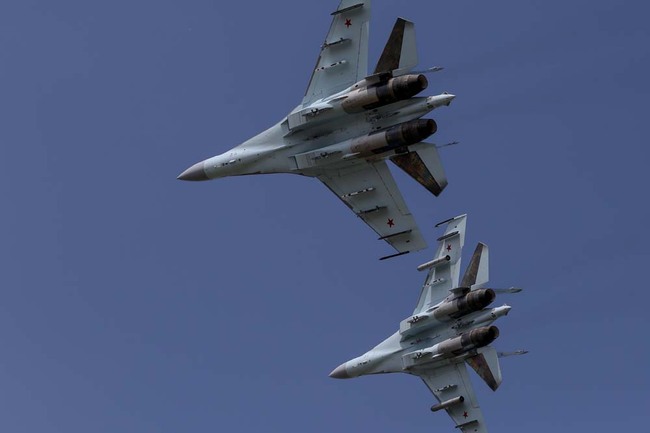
{"x": 450, "y": 327}
{"x": 348, "y": 124}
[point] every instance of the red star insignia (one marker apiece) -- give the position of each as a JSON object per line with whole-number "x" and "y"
{"x": 348, "y": 22}
{"x": 448, "y": 247}
{"x": 465, "y": 414}
{"x": 390, "y": 222}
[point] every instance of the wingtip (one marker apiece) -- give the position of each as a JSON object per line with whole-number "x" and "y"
{"x": 451, "y": 219}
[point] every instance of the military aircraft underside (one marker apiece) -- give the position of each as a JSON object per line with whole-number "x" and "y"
{"x": 452, "y": 325}
{"x": 349, "y": 124}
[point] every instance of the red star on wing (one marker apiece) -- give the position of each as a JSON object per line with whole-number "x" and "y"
{"x": 465, "y": 414}
{"x": 448, "y": 247}
{"x": 390, "y": 222}
{"x": 348, "y": 22}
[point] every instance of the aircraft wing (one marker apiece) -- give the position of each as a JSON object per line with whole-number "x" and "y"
{"x": 446, "y": 274}
{"x": 452, "y": 381}
{"x": 370, "y": 191}
{"x": 343, "y": 59}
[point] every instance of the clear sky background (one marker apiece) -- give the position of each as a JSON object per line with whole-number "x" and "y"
{"x": 133, "y": 302}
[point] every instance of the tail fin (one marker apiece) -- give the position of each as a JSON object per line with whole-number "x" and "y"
{"x": 486, "y": 365}
{"x": 477, "y": 272}
{"x": 423, "y": 164}
{"x": 400, "y": 54}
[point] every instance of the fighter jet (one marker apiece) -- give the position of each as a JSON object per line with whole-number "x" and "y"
{"x": 451, "y": 326}
{"x": 348, "y": 124}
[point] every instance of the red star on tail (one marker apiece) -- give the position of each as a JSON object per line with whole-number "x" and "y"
{"x": 348, "y": 22}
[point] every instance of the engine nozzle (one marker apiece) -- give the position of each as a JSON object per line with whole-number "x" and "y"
{"x": 393, "y": 90}
{"x": 473, "y": 301}
{"x": 480, "y": 337}
{"x": 479, "y": 299}
{"x": 401, "y": 135}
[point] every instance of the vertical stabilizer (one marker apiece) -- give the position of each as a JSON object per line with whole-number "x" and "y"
{"x": 477, "y": 272}
{"x": 400, "y": 53}
{"x": 486, "y": 365}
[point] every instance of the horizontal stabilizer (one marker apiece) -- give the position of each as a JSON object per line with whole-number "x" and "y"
{"x": 486, "y": 365}
{"x": 477, "y": 272}
{"x": 423, "y": 164}
{"x": 400, "y": 54}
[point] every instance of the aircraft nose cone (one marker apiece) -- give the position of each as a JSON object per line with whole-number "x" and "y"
{"x": 340, "y": 372}
{"x": 194, "y": 173}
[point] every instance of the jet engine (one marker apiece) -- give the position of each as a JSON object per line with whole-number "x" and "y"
{"x": 478, "y": 337}
{"x": 473, "y": 301}
{"x": 395, "y": 89}
{"x": 401, "y": 135}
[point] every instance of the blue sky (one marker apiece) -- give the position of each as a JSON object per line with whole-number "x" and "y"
{"x": 134, "y": 302}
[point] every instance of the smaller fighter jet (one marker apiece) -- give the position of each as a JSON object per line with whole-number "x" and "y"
{"x": 450, "y": 327}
